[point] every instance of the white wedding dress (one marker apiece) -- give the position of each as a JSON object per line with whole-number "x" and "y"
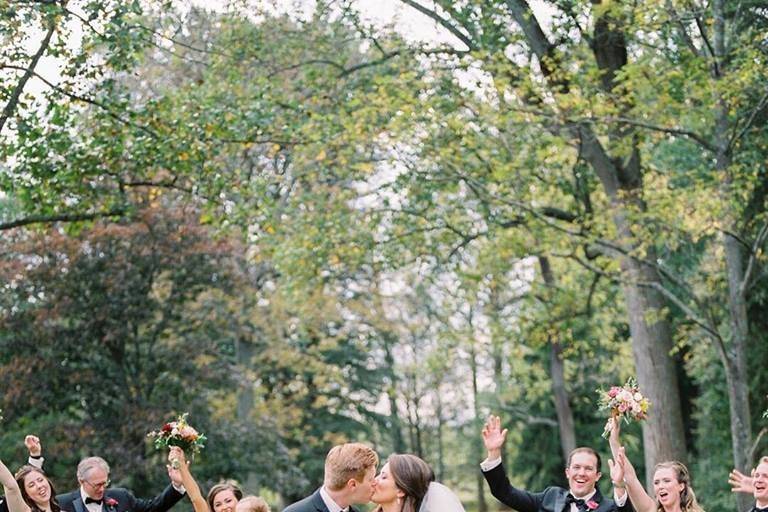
{"x": 439, "y": 498}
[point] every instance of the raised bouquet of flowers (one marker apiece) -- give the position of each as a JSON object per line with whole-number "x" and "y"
{"x": 179, "y": 433}
{"x": 624, "y": 402}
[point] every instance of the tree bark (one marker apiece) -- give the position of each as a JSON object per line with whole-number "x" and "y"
{"x": 557, "y": 373}
{"x": 482, "y": 506}
{"x": 734, "y": 356}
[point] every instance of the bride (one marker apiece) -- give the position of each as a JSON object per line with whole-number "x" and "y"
{"x": 406, "y": 484}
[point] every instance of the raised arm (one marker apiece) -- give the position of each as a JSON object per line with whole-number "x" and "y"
{"x": 617, "y": 470}
{"x": 641, "y": 501}
{"x": 187, "y": 480}
{"x": 12, "y": 492}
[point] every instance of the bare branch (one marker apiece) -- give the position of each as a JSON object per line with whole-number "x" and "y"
{"x": 84, "y": 99}
{"x": 442, "y": 21}
{"x": 672, "y": 131}
{"x": 752, "y": 262}
{"x": 759, "y": 108}
{"x": 64, "y": 217}
{"x": 29, "y": 71}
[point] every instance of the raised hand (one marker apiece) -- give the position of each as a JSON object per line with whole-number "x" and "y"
{"x": 617, "y": 472}
{"x": 33, "y": 445}
{"x": 177, "y": 461}
{"x": 494, "y": 436}
{"x": 740, "y": 482}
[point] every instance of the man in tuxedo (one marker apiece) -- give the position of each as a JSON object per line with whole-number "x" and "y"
{"x": 94, "y": 494}
{"x": 582, "y": 471}
{"x": 756, "y": 485}
{"x": 348, "y": 480}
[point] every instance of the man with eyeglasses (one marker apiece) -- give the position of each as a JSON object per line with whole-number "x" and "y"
{"x": 95, "y": 495}
{"x": 582, "y": 472}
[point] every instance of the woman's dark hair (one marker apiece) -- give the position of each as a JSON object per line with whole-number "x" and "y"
{"x": 21, "y": 474}
{"x": 412, "y": 476}
{"x": 228, "y": 485}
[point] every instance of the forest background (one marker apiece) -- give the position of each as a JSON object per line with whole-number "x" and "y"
{"x": 304, "y": 228}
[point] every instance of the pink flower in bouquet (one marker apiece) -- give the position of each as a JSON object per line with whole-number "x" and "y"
{"x": 613, "y": 392}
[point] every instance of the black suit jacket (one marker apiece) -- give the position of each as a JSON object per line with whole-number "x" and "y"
{"x": 551, "y": 499}
{"x": 126, "y": 501}
{"x": 312, "y": 503}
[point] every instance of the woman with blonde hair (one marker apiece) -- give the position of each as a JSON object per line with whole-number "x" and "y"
{"x": 671, "y": 481}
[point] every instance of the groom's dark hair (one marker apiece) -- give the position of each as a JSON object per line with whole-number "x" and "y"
{"x": 585, "y": 449}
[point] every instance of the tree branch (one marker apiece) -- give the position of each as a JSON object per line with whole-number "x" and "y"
{"x": 442, "y": 21}
{"x": 64, "y": 217}
{"x": 672, "y": 131}
{"x": 752, "y": 263}
{"x": 83, "y": 99}
{"x": 29, "y": 71}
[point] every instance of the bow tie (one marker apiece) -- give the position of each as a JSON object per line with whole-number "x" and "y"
{"x": 92, "y": 500}
{"x": 579, "y": 502}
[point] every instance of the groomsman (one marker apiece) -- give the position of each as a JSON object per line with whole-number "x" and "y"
{"x": 348, "y": 480}
{"x": 582, "y": 471}
{"x": 95, "y": 495}
{"x": 757, "y": 485}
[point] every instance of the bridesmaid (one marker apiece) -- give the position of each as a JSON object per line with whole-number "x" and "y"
{"x": 671, "y": 481}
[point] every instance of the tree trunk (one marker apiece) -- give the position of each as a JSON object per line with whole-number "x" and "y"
{"x": 482, "y": 506}
{"x": 734, "y": 357}
{"x": 557, "y": 373}
{"x": 440, "y": 465}
{"x": 395, "y": 425}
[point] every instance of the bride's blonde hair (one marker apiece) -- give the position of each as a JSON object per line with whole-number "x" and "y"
{"x": 688, "y": 501}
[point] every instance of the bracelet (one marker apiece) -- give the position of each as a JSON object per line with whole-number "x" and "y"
{"x": 619, "y": 485}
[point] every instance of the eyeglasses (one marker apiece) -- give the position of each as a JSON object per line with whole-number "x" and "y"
{"x": 100, "y": 485}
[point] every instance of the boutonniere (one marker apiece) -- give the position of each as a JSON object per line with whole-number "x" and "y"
{"x": 592, "y": 505}
{"x": 110, "y": 502}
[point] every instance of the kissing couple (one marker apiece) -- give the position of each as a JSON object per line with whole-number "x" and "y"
{"x": 405, "y": 484}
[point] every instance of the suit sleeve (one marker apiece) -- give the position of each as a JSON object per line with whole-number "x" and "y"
{"x": 160, "y": 503}
{"x": 502, "y": 490}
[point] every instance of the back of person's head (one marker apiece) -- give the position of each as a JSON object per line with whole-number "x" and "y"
{"x": 227, "y": 485}
{"x": 412, "y": 476}
{"x": 252, "y": 504}
{"x": 347, "y": 461}
{"x": 89, "y": 464}
{"x": 688, "y": 501}
{"x": 20, "y": 477}
{"x": 585, "y": 449}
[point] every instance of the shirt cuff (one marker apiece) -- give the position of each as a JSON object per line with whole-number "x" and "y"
{"x": 179, "y": 488}
{"x": 620, "y": 500}
{"x": 36, "y": 461}
{"x": 489, "y": 464}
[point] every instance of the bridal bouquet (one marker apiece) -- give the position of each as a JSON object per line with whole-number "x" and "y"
{"x": 179, "y": 433}
{"x": 624, "y": 402}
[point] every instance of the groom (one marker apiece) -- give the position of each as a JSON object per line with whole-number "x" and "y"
{"x": 348, "y": 480}
{"x": 95, "y": 496}
{"x": 583, "y": 471}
